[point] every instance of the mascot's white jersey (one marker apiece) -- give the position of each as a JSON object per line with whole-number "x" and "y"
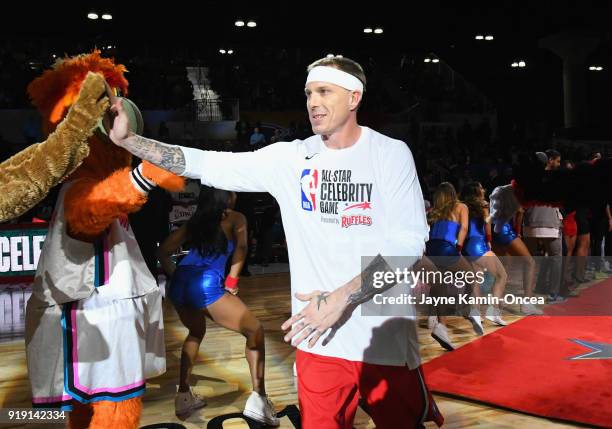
{"x": 94, "y": 326}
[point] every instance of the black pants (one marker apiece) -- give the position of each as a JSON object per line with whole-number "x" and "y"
{"x": 599, "y": 229}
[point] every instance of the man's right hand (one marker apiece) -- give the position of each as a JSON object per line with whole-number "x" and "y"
{"x": 121, "y": 126}
{"x": 167, "y": 157}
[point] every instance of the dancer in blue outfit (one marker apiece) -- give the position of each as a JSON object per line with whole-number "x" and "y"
{"x": 448, "y": 220}
{"x": 477, "y": 246}
{"x": 199, "y": 289}
{"x": 507, "y": 242}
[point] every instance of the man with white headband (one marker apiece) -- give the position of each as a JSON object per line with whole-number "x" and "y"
{"x": 346, "y": 193}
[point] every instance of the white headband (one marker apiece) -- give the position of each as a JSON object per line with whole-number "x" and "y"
{"x": 335, "y": 76}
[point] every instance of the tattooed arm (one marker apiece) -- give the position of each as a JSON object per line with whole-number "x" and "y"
{"x": 362, "y": 288}
{"x": 165, "y": 156}
{"x": 258, "y": 171}
{"x": 168, "y": 157}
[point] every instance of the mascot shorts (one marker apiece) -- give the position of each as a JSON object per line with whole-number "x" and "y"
{"x": 99, "y": 348}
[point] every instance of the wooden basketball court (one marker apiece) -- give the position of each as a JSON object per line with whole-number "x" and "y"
{"x": 221, "y": 372}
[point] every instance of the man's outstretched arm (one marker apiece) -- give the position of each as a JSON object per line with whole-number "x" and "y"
{"x": 168, "y": 157}
{"x": 241, "y": 172}
{"x": 165, "y": 156}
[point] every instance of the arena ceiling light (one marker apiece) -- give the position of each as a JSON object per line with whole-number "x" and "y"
{"x": 596, "y": 68}
{"x": 479, "y": 37}
{"x": 251, "y": 24}
{"x": 489, "y": 37}
{"x": 435, "y": 60}
{"x": 239, "y": 23}
{"x": 427, "y": 60}
{"x": 373, "y": 30}
{"x": 107, "y": 16}
{"x": 92, "y": 15}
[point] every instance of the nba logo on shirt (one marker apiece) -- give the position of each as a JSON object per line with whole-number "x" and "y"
{"x": 309, "y": 182}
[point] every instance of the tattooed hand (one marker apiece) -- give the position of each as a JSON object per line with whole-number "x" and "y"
{"x": 325, "y": 310}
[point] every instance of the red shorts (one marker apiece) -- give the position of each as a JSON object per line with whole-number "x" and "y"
{"x": 329, "y": 390}
{"x": 570, "y": 227}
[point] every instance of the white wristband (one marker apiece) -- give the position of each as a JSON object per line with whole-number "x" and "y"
{"x": 141, "y": 183}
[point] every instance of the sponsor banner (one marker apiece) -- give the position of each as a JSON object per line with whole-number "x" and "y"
{"x": 20, "y": 247}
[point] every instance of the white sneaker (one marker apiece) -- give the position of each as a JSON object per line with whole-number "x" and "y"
{"x": 186, "y": 403}
{"x": 476, "y": 324}
{"x": 261, "y": 409}
{"x": 440, "y": 334}
{"x": 530, "y": 309}
{"x": 432, "y": 321}
{"x": 494, "y": 315}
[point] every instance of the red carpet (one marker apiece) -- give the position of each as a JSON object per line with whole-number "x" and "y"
{"x": 551, "y": 366}
{"x": 594, "y": 301}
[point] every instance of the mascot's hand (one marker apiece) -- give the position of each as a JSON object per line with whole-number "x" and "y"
{"x": 162, "y": 178}
{"x": 89, "y": 106}
{"x": 29, "y": 175}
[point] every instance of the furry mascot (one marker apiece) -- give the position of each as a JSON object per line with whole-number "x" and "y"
{"x": 27, "y": 177}
{"x": 94, "y": 328}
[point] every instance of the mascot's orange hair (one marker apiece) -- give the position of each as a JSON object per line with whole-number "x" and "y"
{"x": 101, "y": 191}
{"x": 104, "y": 190}
{"x": 57, "y": 89}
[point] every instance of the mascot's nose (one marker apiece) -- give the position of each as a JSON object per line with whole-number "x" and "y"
{"x": 134, "y": 116}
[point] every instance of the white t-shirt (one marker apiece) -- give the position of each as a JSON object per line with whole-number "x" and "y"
{"x": 337, "y": 206}
{"x": 541, "y": 232}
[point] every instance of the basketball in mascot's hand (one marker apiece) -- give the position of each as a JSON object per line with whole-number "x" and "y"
{"x": 134, "y": 117}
